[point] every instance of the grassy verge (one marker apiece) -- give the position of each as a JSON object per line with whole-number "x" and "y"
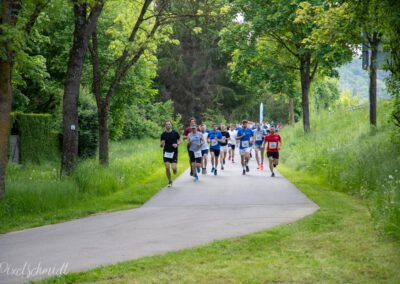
{"x": 354, "y": 158}
{"x": 338, "y": 244}
{"x": 36, "y": 196}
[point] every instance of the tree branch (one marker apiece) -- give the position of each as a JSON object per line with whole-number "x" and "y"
{"x": 35, "y": 14}
{"x": 96, "y": 84}
{"x": 282, "y": 42}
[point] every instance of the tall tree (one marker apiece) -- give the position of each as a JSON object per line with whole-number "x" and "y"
{"x": 194, "y": 74}
{"x": 296, "y": 26}
{"x": 84, "y": 27}
{"x": 16, "y": 22}
{"x": 141, "y": 38}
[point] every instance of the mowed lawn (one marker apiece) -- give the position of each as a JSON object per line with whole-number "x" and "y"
{"x": 337, "y": 244}
{"x": 37, "y": 196}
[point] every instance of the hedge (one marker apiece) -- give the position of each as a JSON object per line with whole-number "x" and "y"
{"x": 37, "y": 140}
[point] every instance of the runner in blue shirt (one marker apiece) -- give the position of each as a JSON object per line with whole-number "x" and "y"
{"x": 214, "y": 138}
{"x": 245, "y": 136}
{"x": 259, "y": 135}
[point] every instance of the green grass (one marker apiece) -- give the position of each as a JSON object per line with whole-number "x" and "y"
{"x": 354, "y": 158}
{"x": 36, "y": 196}
{"x": 337, "y": 244}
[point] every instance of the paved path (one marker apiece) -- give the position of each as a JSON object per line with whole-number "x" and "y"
{"x": 190, "y": 214}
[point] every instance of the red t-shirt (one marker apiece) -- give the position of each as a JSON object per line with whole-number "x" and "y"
{"x": 272, "y": 142}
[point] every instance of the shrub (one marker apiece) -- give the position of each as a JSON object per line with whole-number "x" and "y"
{"x": 88, "y": 125}
{"x": 38, "y": 141}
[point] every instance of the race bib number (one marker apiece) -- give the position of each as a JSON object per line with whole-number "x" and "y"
{"x": 245, "y": 144}
{"x": 214, "y": 142}
{"x": 273, "y": 145}
{"x": 197, "y": 154}
{"x": 259, "y": 137}
{"x": 169, "y": 155}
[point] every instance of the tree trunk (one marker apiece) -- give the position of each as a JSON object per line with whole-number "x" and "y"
{"x": 291, "y": 111}
{"x": 83, "y": 29}
{"x": 305, "y": 78}
{"x": 103, "y": 135}
{"x": 5, "y": 110}
{"x": 5, "y": 93}
{"x": 374, "y": 43}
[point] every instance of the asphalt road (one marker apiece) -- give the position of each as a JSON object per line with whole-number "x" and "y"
{"x": 191, "y": 213}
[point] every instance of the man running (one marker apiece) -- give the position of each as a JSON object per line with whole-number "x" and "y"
{"x": 232, "y": 142}
{"x": 259, "y": 135}
{"x": 223, "y": 145}
{"x": 192, "y": 121}
{"x": 245, "y": 136}
{"x": 195, "y": 141}
{"x": 169, "y": 141}
{"x": 214, "y": 138}
{"x": 274, "y": 146}
{"x": 204, "y": 149}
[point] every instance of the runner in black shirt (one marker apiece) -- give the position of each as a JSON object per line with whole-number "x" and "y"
{"x": 169, "y": 141}
{"x": 224, "y": 145}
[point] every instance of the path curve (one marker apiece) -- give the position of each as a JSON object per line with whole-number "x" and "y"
{"x": 190, "y": 214}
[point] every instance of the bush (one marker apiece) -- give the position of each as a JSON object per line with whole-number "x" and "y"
{"x": 38, "y": 141}
{"x": 88, "y": 125}
{"x": 143, "y": 121}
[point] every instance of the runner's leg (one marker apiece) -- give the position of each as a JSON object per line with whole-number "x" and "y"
{"x": 168, "y": 170}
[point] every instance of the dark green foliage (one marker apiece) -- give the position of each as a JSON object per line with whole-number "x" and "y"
{"x": 38, "y": 141}
{"x": 88, "y": 126}
{"x": 142, "y": 121}
{"x": 194, "y": 74}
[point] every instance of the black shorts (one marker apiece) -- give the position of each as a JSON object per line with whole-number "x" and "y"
{"x": 232, "y": 146}
{"x": 204, "y": 152}
{"x": 193, "y": 159}
{"x": 172, "y": 160}
{"x": 274, "y": 155}
{"x": 216, "y": 152}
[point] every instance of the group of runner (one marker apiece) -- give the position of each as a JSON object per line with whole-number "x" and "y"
{"x": 220, "y": 142}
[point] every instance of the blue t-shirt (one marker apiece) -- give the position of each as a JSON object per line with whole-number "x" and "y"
{"x": 213, "y": 143}
{"x": 245, "y": 140}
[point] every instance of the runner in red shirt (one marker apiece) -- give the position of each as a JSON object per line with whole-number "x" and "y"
{"x": 274, "y": 145}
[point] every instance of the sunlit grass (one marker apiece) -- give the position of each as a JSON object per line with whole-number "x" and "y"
{"x": 354, "y": 158}
{"x": 36, "y": 195}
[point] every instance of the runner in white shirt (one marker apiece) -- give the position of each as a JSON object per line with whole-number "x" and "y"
{"x": 204, "y": 149}
{"x": 232, "y": 142}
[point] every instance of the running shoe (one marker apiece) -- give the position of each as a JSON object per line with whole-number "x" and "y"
{"x": 212, "y": 170}
{"x": 258, "y": 167}
{"x": 170, "y": 184}
{"x": 215, "y": 172}
{"x": 262, "y": 167}
{"x": 222, "y": 167}
{"x": 273, "y": 174}
{"x": 244, "y": 172}
{"x": 196, "y": 178}
{"x": 247, "y": 169}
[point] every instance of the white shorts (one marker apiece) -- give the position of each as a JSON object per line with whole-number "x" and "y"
{"x": 245, "y": 150}
{"x": 223, "y": 148}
